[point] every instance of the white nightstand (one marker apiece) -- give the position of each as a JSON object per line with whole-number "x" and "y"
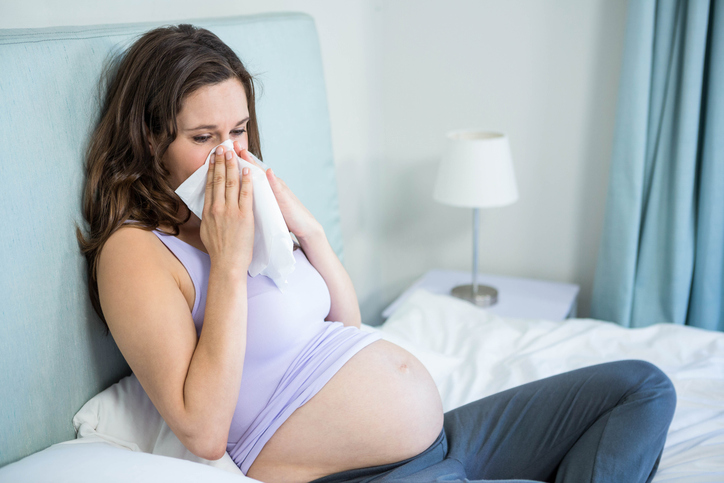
{"x": 517, "y": 297}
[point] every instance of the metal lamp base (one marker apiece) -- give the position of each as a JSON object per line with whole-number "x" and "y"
{"x": 484, "y": 297}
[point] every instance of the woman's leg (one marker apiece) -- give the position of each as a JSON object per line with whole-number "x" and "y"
{"x": 604, "y": 423}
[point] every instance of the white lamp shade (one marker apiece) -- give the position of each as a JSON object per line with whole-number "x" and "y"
{"x": 476, "y": 170}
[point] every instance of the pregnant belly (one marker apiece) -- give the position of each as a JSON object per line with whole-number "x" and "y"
{"x": 382, "y": 406}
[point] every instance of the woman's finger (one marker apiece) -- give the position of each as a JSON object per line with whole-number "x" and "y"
{"x": 246, "y": 193}
{"x": 232, "y": 178}
{"x": 244, "y": 154}
{"x": 209, "y": 193}
{"x": 237, "y": 148}
{"x": 276, "y": 183}
{"x": 219, "y": 178}
{"x": 240, "y": 150}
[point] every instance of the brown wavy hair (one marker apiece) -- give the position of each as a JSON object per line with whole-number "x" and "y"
{"x": 144, "y": 92}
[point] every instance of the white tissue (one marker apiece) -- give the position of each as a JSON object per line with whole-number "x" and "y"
{"x": 273, "y": 246}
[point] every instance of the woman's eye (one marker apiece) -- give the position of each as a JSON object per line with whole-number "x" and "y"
{"x": 203, "y": 139}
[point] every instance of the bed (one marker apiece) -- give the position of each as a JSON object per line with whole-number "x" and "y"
{"x": 470, "y": 353}
{"x": 70, "y": 410}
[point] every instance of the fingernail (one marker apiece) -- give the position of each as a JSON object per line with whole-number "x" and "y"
{"x": 219, "y": 150}
{"x": 245, "y": 171}
{"x": 228, "y": 155}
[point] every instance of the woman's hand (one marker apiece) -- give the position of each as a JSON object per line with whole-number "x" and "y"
{"x": 227, "y": 225}
{"x": 298, "y": 218}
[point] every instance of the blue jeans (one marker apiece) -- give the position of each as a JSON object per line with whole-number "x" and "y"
{"x": 603, "y": 423}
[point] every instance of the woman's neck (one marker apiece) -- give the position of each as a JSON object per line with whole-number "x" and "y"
{"x": 190, "y": 232}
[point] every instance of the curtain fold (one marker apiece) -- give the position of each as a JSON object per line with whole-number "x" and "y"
{"x": 661, "y": 257}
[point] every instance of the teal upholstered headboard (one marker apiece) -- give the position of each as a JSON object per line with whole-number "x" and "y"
{"x": 53, "y": 352}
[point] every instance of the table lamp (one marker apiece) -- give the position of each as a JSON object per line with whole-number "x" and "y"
{"x": 476, "y": 172}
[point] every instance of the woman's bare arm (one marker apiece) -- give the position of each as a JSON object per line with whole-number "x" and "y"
{"x": 345, "y": 307}
{"x": 211, "y": 389}
{"x": 193, "y": 384}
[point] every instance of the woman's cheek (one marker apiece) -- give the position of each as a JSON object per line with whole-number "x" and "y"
{"x": 198, "y": 156}
{"x": 193, "y": 161}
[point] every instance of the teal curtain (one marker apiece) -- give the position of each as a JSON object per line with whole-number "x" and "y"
{"x": 661, "y": 258}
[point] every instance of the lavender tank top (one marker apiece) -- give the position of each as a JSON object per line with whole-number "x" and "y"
{"x": 291, "y": 351}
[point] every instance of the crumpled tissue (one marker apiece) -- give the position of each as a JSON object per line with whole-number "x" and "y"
{"x": 273, "y": 245}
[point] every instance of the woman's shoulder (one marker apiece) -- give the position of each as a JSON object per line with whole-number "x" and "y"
{"x": 134, "y": 258}
{"x": 130, "y": 244}
{"x": 133, "y": 233}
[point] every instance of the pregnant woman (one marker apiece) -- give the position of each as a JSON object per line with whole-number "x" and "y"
{"x": 287, "y": 383}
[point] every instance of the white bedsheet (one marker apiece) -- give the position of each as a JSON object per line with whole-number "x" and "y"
{"x": 473, "y": 353}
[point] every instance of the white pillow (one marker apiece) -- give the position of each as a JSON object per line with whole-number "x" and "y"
{"x": 124, "y": 416}
{"x": 91, "y": 460}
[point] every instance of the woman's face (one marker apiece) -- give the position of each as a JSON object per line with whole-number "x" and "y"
{"x": 209, "y": 116}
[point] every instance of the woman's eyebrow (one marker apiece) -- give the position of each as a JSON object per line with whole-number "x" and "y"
{"x": 213, "y": 126}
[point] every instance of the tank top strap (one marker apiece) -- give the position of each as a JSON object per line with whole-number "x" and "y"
{"x": 198, "y": 264}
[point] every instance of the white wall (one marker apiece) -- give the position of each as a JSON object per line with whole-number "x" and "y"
{"x": 399, "y": 74}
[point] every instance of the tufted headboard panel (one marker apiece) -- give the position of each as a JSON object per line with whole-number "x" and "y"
{"x": 54, "y": 355}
